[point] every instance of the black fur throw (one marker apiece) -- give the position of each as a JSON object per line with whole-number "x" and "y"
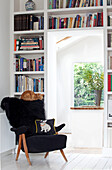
{"x": 23, "y": 113}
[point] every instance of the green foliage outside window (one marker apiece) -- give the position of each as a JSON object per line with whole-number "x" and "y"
{"x": 87, "y": 78}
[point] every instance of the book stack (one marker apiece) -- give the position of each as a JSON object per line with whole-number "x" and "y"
{"x": 79, "y": 21}
{"x": 36, "y": 43}
{"x": 109, "y": 2}
{"x": 110, "y": 39}
{"x": 56, "y": 4}
{"x": 109, "y": 82}
{"x": 110, "y": 20}
{"x": 23, "y": 83}
{"x": 28, "y": 22}
{"x": 23, "y": 64}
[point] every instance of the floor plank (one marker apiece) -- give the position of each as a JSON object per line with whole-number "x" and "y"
{"x": 55, "y": 161}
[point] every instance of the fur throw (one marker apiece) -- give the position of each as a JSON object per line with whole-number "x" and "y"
{"x": 23, "y": 113}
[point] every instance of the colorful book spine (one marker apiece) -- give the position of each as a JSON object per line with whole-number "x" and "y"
{"x": 109, "y": 82}
{"x": 40, "y": 43}
{"x": 70, "y": 4}
{"x": 50, "y": 4}
{"x": 15, "y": 45}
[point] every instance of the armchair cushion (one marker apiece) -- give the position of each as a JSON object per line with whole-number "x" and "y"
{"x": 45, "y": 127}
{"x": 45, "y": 143}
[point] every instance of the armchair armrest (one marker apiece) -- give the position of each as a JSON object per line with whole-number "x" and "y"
{"x": 58, "y": 128}
{"x": 20, "y": 130}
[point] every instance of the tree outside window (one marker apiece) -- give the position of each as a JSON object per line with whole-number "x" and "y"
{"x": 88, "y": 77}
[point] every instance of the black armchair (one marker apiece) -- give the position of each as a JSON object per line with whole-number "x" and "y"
{"x": 22, "y": 115}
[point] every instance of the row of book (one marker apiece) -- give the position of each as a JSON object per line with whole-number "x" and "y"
{"x": 56, "y": 4}
{"x": 110, "y": 20}
{"x": 28, "y": 22}
{"x": 90, "y": 20}
{"x": 109, "y": 2}
{"x": 23, "y": 64}
{"x": 109, "y": 82}
{"x": 23, "y": 83}
{"x": 110, "y": 39}
{"x": 25, "y": 43}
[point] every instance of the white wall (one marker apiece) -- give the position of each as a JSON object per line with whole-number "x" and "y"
{"x": 89, "y": 49}
{"x": 60, "y": 75}
{"x": 7, "y": 140}
{"x": 4, "y": 48}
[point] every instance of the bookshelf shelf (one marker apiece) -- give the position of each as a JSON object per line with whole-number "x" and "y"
{"x": 20, "y": 93}
{"x": 109, "y": 92}
{"x": 109, "y": 7}
{"x": 28, "y": 32}
{"x": 109, "y": 121}
{"x": 109, "y": 28}
{"x": 76, "y": 29}
{"x": 29, "y": 52}
{"x": 29, "y": 72}
{"x": 74, "y": 10}
{"x": 109, "y": 71}
{"x": 109, "y": 49}
{"x": 40, "y": 12}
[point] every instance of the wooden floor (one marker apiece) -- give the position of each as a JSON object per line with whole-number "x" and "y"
{"x": 54, "y": 161}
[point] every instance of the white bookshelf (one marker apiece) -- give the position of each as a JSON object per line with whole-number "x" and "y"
{"x": 40, "y": 12}
{"x": 28, "y": 32}
{"x": 28, "y": 72}
{"x": 74, "y": 10}
{"x": 20, "y": 93}
{"x": 17, "y": 8}
{"x": 75, "y": 29}
{"x": 29, "y": 52}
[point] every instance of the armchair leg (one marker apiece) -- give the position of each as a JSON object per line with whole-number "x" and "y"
{"x": 19, "y": 147}
{"x": 46, "y": 155}
{"x": 63, "y": 155}
{"x": 26, "y": 149}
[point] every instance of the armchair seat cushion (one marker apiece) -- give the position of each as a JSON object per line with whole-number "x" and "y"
{"x": 45, "y": 143}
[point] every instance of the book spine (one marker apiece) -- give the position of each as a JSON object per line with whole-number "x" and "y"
{"x": 40, "y": 42}
{"x": 57, "y": 4}
{"x": 31, "y": 22}
{"x": 109, "y": 40}
{"x": 15, "y": 45}
{"x": 52, "y": 23}
{"x": 34, "y": 82}
{"x": 39, "y": 84}
{"x": 70, "y": 4}
{"x": 102, "y": 19}
{"x": 50, "y": 4}
{"x": 109, "y": 82}
{"x": 108, "y": 20}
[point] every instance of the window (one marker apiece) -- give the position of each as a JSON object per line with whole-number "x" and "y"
{"x": 88, "y": 79}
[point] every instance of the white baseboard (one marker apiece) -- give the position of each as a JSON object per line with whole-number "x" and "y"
{"x": 107, "y": 152}
{"x": 7, "y": 153}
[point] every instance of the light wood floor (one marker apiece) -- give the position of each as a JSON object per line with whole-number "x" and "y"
{"x": 76, "y": 161}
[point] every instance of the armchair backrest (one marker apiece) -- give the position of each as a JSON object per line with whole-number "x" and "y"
{"x": 24, "y": 112}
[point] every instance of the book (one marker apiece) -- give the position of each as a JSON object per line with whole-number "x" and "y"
{"x": 110, "y": 62}
{"x": 50, "y": 4}
{"x": 26, "y": 22}
{"x": 78, "y": 21}
{"x": 109, "y": 82}
{"x": 40, "y": 42}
